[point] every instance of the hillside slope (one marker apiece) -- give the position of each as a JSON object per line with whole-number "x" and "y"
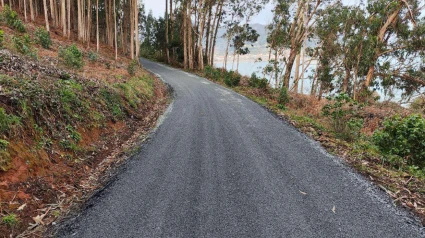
{"x": 62, "y": 128}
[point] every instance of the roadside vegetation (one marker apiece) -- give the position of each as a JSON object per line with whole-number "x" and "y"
{"x": 68, "y": 114}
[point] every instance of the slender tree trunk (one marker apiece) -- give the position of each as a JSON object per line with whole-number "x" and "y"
{"x": 137, "y": 30}
{"x": 63, "y": 14}
{"x": 131, "y": 29}
{"x": 97, "y": 26}
{"x": 46, "y": 15}
{"x": 115, "y": 32}
{"x": 25, "y": 10}
{"x": 31, "y": 9}
{"x": 185, "y": 39}
{"x": 297, "y": 72}
{"x": 167, "y": 51}
{"x": 288, "y": 70}
{"x": 346, "y": 80}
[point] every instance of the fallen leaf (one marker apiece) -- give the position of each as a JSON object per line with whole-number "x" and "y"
{"x": 303, "y": 193}
{"x": 39, "y": 219}
{"x": 334, "y": 209}
{"x": 22, "y": 207}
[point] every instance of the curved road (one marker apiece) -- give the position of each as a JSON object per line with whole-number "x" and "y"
{"x": 220, "y": 165}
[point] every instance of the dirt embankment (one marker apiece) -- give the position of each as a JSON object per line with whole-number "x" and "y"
{"x": 63, "y": 131}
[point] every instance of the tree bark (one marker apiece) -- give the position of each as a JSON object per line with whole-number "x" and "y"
{"x": 63, "y": 14}
{"x": 167, "y": 51}
{"x": 46, "y": 15}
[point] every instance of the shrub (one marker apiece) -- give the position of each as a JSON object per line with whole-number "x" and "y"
{"x": 12, "y": 19}
{"x": 343, "y": 112}
{"x": 257, "y": 82}
{"x": 208, "y": 71}
{"x": 3, "y": 144}
{"x": 1, "y": 38}
{"x": 283, "y": 97}
{"x": 23, "y": 45}
{"x": 71, "y": 56}
{"x": 10, "y": 220}
{"x": 93, "y": 57}
{"x": 132, "y": 67}
{"x": 403, "y": 138}
{"x": 232, "y": 79}
{"x": 216, "y": 74}
{"x": 7, "y": 121}
{"x": 42, "y": 37}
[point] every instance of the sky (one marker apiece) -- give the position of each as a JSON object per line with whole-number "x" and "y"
{"x": 264, "y": 17}
{"x": 158, "y": 9}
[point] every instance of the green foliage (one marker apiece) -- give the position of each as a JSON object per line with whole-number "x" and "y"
{"x": 212, "y": 73}
{"x": 208, "y": 71}
{"x": 71, "y": 56}
{"x": 257, "y": 82}
{"x": 10, "y": 220}
{"x": 132, "y": 67}
{"x": 7, "y": 122}
{"x": 113, "y": 103}
{"x": 343, "y": 112}
{"x": 1, "y": 38}
{"x": 12, "y": 19}
{"x": 73, "y": 134}
{"x": 403, "y": 140}
{"x": 42, "y": 37}
{"x": 93, "y": 56}
{"x": 232, "y": 79}
{"x": 23, "y": 45}
{"x": 283, "y": 97}
{"x": 3, "y": 144}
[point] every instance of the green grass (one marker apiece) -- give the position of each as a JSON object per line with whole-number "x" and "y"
{"x": 10, "y": 220}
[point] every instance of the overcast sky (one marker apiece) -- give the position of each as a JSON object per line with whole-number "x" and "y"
{"x": 265, "y": 16}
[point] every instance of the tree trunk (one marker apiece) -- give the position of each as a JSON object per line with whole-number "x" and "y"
{"x": 115, "y": 32}
{"x": 97, "y": 26}
{"x": 31, "y": 9}
{"x": 131, "y": 29}
{"x": 382, "y": 31}
{"x": 63, "y": 14}
{"x": 288, "y": 69}
{"x": 185, "y": 51}
{"x": 46, "y": 15}
{"x": 167, "y": 51}
{"x": 25, "y": 10}
{"x": 297, "y": 72}
{"x": 136, "y": 15}
{"x": 346, "y": 80}
{"x": 69, "y": 18}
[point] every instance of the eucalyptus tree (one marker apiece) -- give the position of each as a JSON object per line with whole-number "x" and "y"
{"x": 244, "y": 34}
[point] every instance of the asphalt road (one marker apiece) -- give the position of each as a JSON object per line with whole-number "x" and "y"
{"x": 220, "y": 165}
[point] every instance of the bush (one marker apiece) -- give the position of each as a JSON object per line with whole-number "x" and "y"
{"x": 208, "y": 71}
{"x": 403, "y": 138}
{"x": 343, "y": 112}
{"x": 12, "y": 19}
{"x": 10, "y": 220}
{"x": 42, "y": 37}
{"x": 3, "y": 144}
{"x": 23, "y": 45}
{"x": 232, "y": 79}
{"x": 1, "y": 38}
{"x": 283, "y": 97}
{"x": 7, "y": 121}
{"x": 93, "y": 57}
{"x": 257, "y": 82}
{"x": 71, "y": 56}
{"x": 132, "y": 67}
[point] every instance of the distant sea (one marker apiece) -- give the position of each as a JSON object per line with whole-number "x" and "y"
{"x": 247, "y": 67}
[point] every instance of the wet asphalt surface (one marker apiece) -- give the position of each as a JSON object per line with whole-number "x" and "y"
{"x": 220, "y": 165}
